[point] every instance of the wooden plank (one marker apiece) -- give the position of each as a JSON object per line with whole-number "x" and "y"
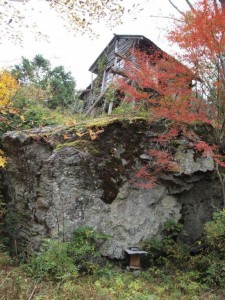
{"x": 103, "y": 81}
{"x": 95, "y": 103}
{"x": 118, "y": 71}
{"x": 120, "y": 56}
{"x": 135, "y": 261}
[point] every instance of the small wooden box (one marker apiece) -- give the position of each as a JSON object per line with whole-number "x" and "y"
{"x": 135, "y": 257}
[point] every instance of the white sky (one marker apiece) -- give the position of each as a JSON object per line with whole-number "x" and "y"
{"x": 75, "y": 52}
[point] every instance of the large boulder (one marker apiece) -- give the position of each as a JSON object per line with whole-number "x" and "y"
{"x": 58, "y": 179}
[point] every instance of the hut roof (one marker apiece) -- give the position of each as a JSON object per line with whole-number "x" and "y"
{"x": 106, "y": 50}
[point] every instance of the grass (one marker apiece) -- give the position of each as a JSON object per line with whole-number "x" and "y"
{"x": 67, "y": 130}
{"x": 107, "y": 283}
{"x": 81, "y": 145}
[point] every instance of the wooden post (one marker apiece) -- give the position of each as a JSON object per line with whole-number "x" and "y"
{"x": 92, "y": 83}
{"x": 92, "y": 88}
{"x": 115, "y": 51}
{"x": 110, "y": 108}
{"x": 103, "y": 82}
{"x": 95, "y": 103}
{"x": 114, "y": 65}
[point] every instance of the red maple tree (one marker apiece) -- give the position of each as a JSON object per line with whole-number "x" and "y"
{"x": 163, "y": 84}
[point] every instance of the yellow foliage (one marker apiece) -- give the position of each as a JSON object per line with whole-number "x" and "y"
{"x": 8, "y": 88}
{"x": 2, "y": 160}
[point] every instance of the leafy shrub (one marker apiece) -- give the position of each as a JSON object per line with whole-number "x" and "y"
{"x": 53, "y": 262}
{"x": 215, "y": 231}
{"x": 172, "y": 229}
{"x": 215, "y": 273}
{"x": 188, "y": 281}
{"x": 206, "y": 266}
{"x": 36, "y": 116}
{"x": 83, "y": 248}
{"x": 124, "y": 108}
{"x": 2, "y": 219}
{"x": 111, "y": 95}
{"x": 39, "y": 116}
{"x": 4, "y": 259}
{"x": 58, "y": 260}
{"x": 119, "y": 285}
{"x": 14, "y": 241}
{"x": 164, "y": 250}
{"x": 214, "y": 258}
{"x": 210, "y": 262}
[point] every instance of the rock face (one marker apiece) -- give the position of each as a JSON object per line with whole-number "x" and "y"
{"x": 54, "y": 187}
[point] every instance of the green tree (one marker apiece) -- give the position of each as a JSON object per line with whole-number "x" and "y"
{"x": 56, "y": 84}
{"x": 24, "y": 72}
{"x": 42, "y": 69}
{"x": 34, "y": 71}
{"x": 62, "y": 88}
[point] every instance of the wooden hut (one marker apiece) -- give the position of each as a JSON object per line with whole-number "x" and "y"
{"x": 110, "y": 64}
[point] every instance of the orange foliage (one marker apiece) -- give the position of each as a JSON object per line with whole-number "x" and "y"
{"x": 161, "y": 161}
{"x": 201, "y": 35}
{"x": 201, "y": 32}
{"x": 164, "y": 85}
{"x": 147, "y": 179}
{"x": 211, "y": 150}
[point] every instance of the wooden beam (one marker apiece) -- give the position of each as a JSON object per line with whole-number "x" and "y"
{"x": 92, "y": 81}
{"x": 95, "y": 103}
{"x": 118, "y": 71}
{"x": 115, "y": 59}
{"x": 120, "y": 56}
{"x": 86, "y": 90}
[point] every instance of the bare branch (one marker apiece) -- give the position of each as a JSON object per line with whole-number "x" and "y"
{"x": 33, "y": 292}
{"x": 166, "y": 17}
{"x": 222, "y": 2}
{"x": 170, "y": 1}
{"x": 215, "y": 5}
{"x": 190, "y": 5}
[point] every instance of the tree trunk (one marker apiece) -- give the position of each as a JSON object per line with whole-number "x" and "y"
{"x": 222, "y": 2}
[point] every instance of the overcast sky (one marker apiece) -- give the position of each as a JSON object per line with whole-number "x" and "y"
{"x": 76, "y": 53}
